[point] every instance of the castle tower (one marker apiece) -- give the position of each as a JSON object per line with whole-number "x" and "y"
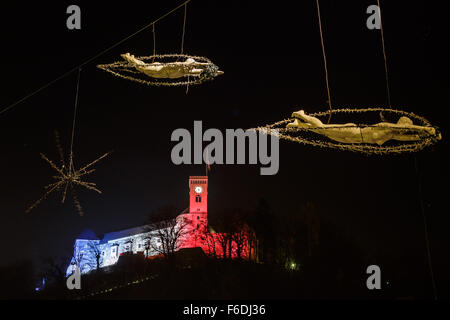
{"x": 197, "y": 216}
{"x": 198, "y": 194}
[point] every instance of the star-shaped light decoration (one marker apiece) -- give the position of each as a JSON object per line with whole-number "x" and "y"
{"x": 68, "y": 177}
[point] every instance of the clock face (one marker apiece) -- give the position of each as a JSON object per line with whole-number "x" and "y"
{"x": 198, "y": 189}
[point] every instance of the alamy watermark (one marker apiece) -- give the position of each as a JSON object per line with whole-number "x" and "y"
{"x": 374, "y": 280}
{"x": 74, "y": 20}
{"x": 74, "y": 280}
{"x": 374, "y": 20}
{"x": 235, "y": 147}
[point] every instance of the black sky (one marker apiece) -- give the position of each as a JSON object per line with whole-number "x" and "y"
{"x": 271, "y": 56}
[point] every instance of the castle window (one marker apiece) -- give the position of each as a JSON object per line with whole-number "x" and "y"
{"x": 198, "y": 199}
{"x": 114, "y": 252}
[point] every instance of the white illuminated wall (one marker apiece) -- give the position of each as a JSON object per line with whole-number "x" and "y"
{"x": 85, "y": 250}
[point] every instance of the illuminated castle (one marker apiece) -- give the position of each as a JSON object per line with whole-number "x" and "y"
{"x": 90, "y": 251}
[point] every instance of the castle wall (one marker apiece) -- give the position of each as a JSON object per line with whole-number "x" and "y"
{"x": 194, "y": 225}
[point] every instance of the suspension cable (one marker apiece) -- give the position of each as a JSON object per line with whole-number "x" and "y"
{"x": 184, "y": 28}
{"x": 384, "y": 55}
{"x": 71, "y": 166}
{"x": 325, "y": 61}
{"x": 154, "y": 42}
{"x": 182, "y": 41}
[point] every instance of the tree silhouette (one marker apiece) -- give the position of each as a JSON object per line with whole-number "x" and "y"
{"x": 168, "y": 229}
{"x": 95, "y": 260}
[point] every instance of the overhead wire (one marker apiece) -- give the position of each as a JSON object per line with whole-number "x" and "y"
{"x": 71, "y": 166}
{"x": 324, "y": 61}
{"x": 388, "y": 92}
{"x": 3, "y": 110}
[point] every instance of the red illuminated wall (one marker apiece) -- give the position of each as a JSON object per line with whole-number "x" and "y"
{"x": 196, "y": 225}
{"x": 194, "y": 229}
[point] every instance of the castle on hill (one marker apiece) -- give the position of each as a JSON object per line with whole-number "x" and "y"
{"x": 190, "y": 229}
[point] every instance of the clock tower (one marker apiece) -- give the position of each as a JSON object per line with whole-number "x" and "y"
{"x": 198, "y": 194}
{"x": 196, "y": 219}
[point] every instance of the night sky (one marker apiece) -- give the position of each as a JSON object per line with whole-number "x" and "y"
{"x": 272, "y": 59}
